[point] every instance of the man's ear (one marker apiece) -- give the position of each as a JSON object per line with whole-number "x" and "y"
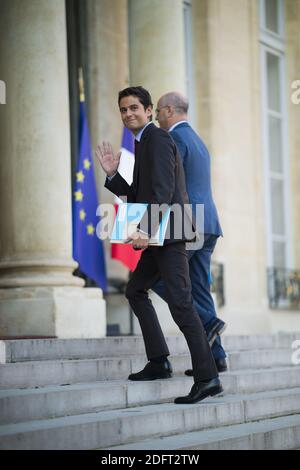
{"x": 170, "y": 111}
{"x": 149, "y": 111}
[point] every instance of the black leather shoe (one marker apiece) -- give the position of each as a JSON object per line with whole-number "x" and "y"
{"x": 220, "y": 363}
{"x": 153, "y": 371}
{"x": 201, "y": 390}
{"x": 216, "y": 328}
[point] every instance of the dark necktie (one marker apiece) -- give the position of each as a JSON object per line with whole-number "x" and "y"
{"x": 136, "y": 147}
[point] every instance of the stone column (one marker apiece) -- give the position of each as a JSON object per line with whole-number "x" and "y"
{"x": 292, "y": 15}
{"x": 108, "y": 73}
{"x": 39, "y": 296}
{"x": 156, "y": 40}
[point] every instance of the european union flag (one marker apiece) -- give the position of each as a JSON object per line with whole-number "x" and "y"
{"x": 87, "y": 247}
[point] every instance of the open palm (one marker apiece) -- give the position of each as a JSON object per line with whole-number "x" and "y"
{"x": 107, "y": 159}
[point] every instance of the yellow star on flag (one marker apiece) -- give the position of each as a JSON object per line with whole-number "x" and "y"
{"x": 90, "y": 229}
{"x": 82, "y": 214}
{"x": 80, "y": 177}
{"x": 86, "y": 164}
{"x": 78, "y": 195}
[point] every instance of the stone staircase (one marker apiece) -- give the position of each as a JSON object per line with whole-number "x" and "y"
{"x": 73, "y": 394}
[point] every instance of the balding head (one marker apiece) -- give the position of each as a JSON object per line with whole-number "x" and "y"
{"x": 171, "y": 108}
{"x": 176, "y": 100}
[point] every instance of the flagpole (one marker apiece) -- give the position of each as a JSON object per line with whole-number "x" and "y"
{"x": 81, "y": 99}
{"x": 81, "y": 85}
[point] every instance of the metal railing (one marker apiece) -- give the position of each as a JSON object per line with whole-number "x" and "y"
{"x": 283, "y": 288}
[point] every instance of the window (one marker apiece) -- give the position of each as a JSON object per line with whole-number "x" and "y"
{"x": 274, "y": 133}
{"x": 271, "y": 17}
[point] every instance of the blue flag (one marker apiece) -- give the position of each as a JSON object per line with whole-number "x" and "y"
{"x": 87, "y": 247}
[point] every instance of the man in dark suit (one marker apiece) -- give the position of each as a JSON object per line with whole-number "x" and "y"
{"x": 171, "y": 113}
{"x": 158, "y": 178}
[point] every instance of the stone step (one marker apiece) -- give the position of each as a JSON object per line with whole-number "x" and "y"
{"x": 59, "y": 372}
{"x": 260, "y": 359}
{"x": 53, "y": 349}
{"x": 19, "y": 405}
{"x": 117, "y": 427}
{"x": 270, "y": 434}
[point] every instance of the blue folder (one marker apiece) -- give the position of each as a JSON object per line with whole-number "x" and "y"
{"x": 127, "y": 219}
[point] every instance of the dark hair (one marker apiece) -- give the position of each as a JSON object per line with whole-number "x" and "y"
{"x": 141, "y": 93}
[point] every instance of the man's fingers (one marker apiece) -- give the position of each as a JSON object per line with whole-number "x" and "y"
{"x": 111, "y": 152}
{"x": 107, "y": 150}
{"x": 99, "y": 154}
{"x": 138, "y": 246}
{"x": 107, "y": 147}
{"x": 104, "y": 152}
{"x": 104, "y": 146}
{"x": 101, "y": 149}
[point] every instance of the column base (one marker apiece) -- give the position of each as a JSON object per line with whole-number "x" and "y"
{"x": 61, "y": 312}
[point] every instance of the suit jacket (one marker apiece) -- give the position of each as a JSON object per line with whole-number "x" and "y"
{"x": 158, "y": 178}
{"x": 196, "y": 162}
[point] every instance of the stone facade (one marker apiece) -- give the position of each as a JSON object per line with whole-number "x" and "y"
{"x": 139, "y": 42}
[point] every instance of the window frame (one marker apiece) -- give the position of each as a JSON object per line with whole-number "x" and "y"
{"x": 267, "y": 46}
{"x": 272, "y": 35}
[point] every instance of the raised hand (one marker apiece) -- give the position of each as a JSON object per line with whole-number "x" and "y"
{"x": 107, "y": 159}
